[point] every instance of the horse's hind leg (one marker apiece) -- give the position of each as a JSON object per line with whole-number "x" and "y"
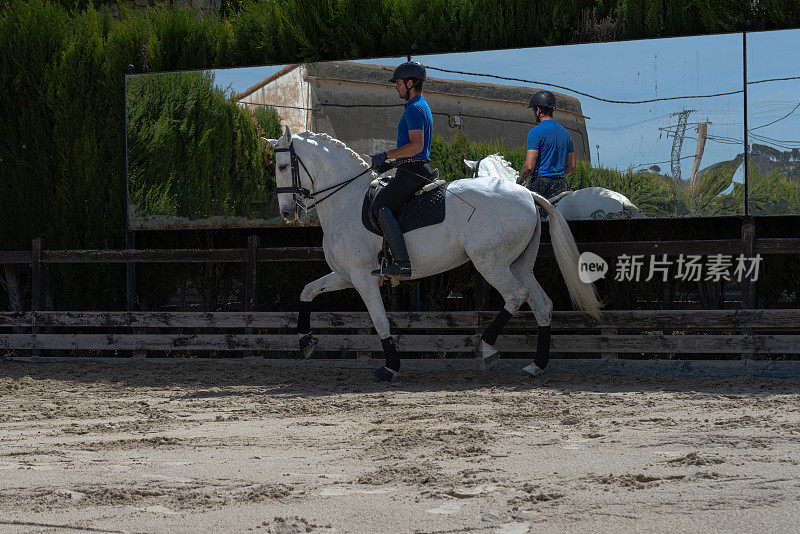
{"x": 542, "y": 308}
{"x": 329, "y": 282}
{"x": 540, "y": 304}
{"x": 514, "y": 294}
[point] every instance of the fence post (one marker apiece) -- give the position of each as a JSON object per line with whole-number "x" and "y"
{"x": 130, "y": 275}
{"x": 251, "y": 281}
{"x": 414, "y": 298}
{"x": 749, "y": 294}
{"x": 37, "y": 284}
{"x": 748, "y": 286}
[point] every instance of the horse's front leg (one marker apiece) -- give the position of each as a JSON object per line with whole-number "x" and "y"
{"x": 367, "y": 287}
{"x": 330, "y": 282}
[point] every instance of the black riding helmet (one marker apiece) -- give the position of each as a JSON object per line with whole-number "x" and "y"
{"x": 544, "y": 99}
{"x": 409, "y": 69}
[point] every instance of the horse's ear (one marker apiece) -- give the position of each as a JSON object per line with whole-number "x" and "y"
{"x": 287, "y": 133}
{"x": 469, "y": 163}
{"x": 273, "y": 142}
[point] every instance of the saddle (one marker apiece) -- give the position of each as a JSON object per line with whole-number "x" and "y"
{"x": 425, "y": 208}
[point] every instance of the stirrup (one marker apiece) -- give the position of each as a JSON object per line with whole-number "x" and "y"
{"x": 393, "y": 270}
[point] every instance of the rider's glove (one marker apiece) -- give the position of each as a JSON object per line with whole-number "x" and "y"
{"x": 379, "y": 159}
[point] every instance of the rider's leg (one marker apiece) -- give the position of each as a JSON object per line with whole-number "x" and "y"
{"x": 401, "y": 265}
{"x": 541, "y": 185}
{"x": 557, "y": 186}
{"x": 329, "y": 282}
{"x": 387, "y": 203}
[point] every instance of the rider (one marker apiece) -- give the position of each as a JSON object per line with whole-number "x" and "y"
{"x": 411, "y": 156}
{"x": 550, "y": 153}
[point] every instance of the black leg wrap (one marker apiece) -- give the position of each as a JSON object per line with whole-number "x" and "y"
{"x": 307, "y": 345}
{"x": 491, "y": 333}
{"x": 304, "y": 318}
{"x": 383, "y": 375}
{"x": 390, "y": 351}
{"x": 542, "y": 347}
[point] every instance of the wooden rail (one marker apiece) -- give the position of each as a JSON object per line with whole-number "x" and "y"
{"x": 294, "y": 254}
{"x": 644, "y": 320}
{"x": 448, "y": 332}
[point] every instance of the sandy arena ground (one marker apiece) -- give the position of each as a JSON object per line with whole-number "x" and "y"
{"x": 210, "y": 447}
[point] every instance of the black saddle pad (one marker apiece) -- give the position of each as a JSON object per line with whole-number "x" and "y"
{"x": 421, "y": 210}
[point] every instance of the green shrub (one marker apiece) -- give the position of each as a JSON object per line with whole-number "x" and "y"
{"x": 192, "y": 151}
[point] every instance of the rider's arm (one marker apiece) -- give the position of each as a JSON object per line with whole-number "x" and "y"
{"x": 570, "y": 164}
{"x": 530, "y": 164}
{"x": 412, "y": 148}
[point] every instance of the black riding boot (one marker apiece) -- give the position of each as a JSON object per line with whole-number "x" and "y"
{"x": 401, "y": 265}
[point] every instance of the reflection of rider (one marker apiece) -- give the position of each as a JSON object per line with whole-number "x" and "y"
{"x": 412, "y": 156}
{"x": 550, "y": 153}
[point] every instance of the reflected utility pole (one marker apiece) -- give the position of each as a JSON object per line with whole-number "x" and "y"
{"x": 677, "y": 131}
{"x": 747, "y": 25}
{"x": 702, "y": 134}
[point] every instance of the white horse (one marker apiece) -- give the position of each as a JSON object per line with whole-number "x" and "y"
{"x": 492, "y": 222}
{"x": 587, "y": 203}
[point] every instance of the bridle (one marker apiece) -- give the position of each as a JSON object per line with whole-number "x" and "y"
{"x": 299, "y": 192}
{"x": 477, "y": 166}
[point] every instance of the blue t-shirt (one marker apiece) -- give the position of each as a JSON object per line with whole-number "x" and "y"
{"x": 417, "y": 116}
{"x": 553, "y": 143}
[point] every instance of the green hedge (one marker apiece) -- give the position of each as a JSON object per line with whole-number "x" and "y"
{"x": 193, "y": 151}
{"x": 62, "y": 65}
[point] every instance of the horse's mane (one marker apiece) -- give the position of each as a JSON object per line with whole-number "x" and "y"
{"x": 331, "y": 143}
{"x": 504, "y": 162}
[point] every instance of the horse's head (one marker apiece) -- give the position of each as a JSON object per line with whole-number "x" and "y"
{"x": 288, "y": 186}
{"x": 308, "y": 165}
{"x": 493, "y": 165}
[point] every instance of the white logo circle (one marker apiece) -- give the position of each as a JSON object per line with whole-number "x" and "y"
{"x": 591, "y": 267}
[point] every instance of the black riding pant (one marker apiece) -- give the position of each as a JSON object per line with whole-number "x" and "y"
{"x": 410, "y": 178}
{"x": 548, "y": 186}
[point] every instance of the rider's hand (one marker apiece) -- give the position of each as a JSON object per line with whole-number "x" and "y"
{"x": 378, "y": 159}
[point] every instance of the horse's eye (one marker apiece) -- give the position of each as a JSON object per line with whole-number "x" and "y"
{"x": 282, "y": 167}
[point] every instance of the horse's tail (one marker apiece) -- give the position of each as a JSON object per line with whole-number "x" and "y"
{"x": 583, "y": 295}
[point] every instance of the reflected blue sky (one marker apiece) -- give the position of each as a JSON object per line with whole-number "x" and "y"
{"x": 629, "y": 135}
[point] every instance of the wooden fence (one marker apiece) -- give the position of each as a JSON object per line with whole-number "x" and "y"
{"x": 634, "y": 333}
{"x": 746, "y": 333}
{"x": 38, "y": 256}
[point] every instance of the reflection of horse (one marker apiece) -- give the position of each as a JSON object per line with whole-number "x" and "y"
{"x": 490, "y": 221}
{"x": 587, "y": 203}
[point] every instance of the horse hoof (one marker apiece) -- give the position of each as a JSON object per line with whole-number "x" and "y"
{"x": 532, "y": 369}
{"x": 488, "y": 358}
{"x": 384, "y": 374}
{"x": 487, "y": 363}
{"x": 307, "y": 345}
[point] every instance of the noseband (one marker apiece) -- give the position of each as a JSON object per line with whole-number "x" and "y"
{"x": 299, "y": 192}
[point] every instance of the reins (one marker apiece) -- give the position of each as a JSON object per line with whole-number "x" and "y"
{"x": 296, "y": 189}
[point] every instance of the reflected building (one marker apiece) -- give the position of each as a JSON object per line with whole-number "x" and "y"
{"x": 355, "y": 103}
